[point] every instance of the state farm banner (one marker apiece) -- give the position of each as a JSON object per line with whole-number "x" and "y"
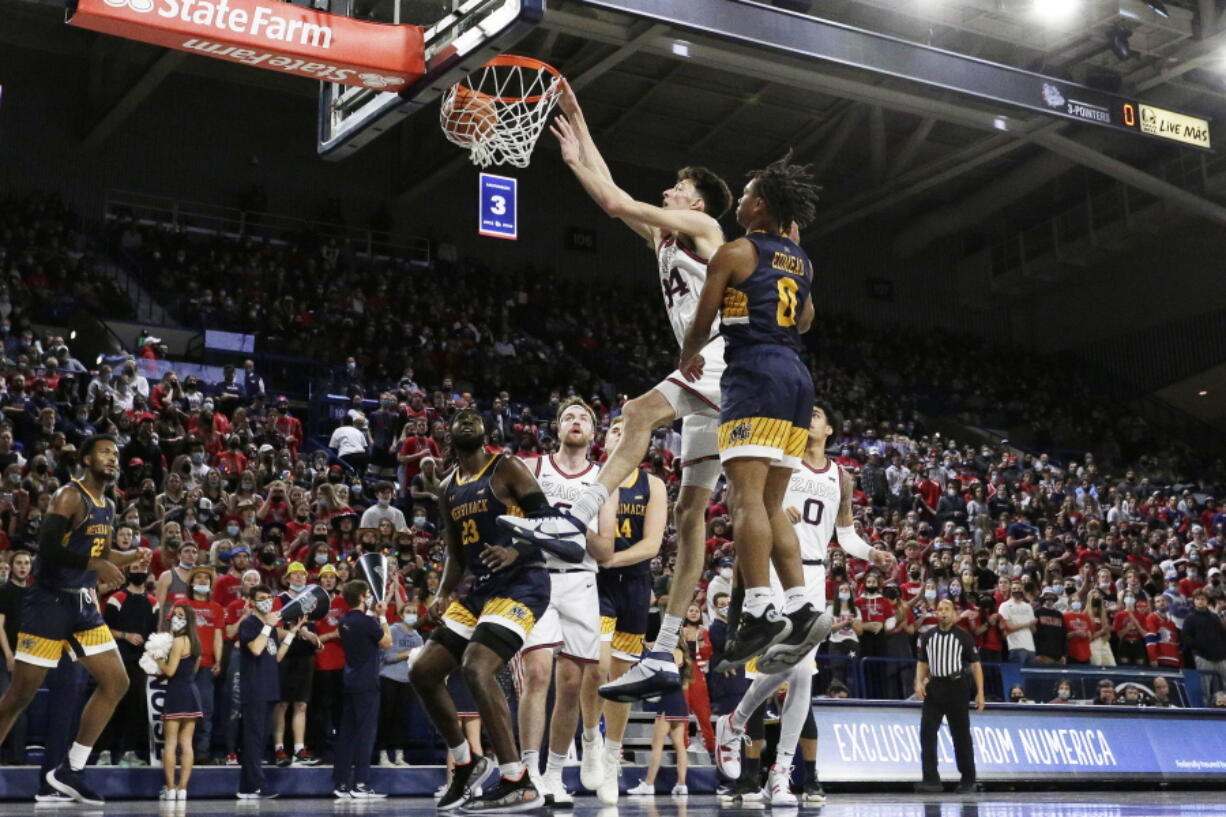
{"x": 267, "y": 34}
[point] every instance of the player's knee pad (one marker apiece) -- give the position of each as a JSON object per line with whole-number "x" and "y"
{"x": 500, "y": 640}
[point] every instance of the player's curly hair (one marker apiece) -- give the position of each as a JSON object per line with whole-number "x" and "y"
{"x": 716, "y": 197}
{"x": 789, "y": 191}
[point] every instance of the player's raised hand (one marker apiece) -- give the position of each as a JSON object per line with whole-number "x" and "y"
{"x": 564, "y": 132}
{"x": 144, "y": 557}
{"x": 691, "y": 369}
{"x": 498, "y": 558}
{"x": 568, "y": 102}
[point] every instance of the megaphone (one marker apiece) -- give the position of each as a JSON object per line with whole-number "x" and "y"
{"x": 373, "y": 569}
{"x": 312, "y": 604}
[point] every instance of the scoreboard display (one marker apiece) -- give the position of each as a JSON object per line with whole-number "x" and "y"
{"x": 1085, "y": 104}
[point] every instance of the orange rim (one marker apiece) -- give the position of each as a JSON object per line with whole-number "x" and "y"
{"x": 512, "y": 61}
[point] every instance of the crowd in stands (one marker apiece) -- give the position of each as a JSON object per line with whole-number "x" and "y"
{"x": 1076, "y": 562}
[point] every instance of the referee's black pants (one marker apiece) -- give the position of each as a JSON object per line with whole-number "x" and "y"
{"x": 947, "y": 699}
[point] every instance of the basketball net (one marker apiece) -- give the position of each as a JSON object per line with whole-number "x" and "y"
{"x": 498, "y": 112}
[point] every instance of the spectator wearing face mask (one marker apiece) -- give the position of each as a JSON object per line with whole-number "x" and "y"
{"x": 1019, "y": 623}
{"x": 727, "y": 688}
{"x": 297, "y": 673}
{"x": 1064, "y": 693}
{"x": 1050, "y": 634}
{"x": 130, "y": 615}
{"x": 1205, "y": 637}
{"x": 324, "y": 713}
{"x": 395, "y": 692}
{"x": 262, "y": 646}
{"x": 1128, "y": 626}
{"x": 175, "y": 583}
{"x": 210, "y": 625}
{"x": 1162, "y": 636}
{"x": 845, "y": 632}
{"x": 720, "y": 583}
{"x": 879, "y": 617}
{"x": 382, "y": 509}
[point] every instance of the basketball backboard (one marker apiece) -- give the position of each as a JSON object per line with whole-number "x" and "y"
{"x": 460, "y": 36}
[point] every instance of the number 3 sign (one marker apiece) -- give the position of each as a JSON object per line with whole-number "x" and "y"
{"x": 497, "y": 206}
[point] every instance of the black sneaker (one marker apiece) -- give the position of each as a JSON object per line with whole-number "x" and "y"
{"x": 929, "y": 788}
{"x": 753, "y": 635}
{"x": 744, "y": 790}
{"x": 814, "y": 794}
{"x": 361, "y": 791}
{"x": 258, "y": 794}
{"x": 64, "y": 780}
{"x": 810, "y": 627}
{"x": 463, "y": 779}
{"x": 967, "y": 787}
{"x": 507, "y": 796}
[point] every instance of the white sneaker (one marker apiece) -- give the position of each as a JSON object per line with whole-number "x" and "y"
{"x": 554, "y": 785}
{"x": 643, "y": 789}
{"x": 610, "y": 780}
{"x": 384, "y": 760}
{"x": 728, "y": 748}
{"x": 398, "y": 759}
{"x": 166, "y": 794}
{"x": 681, "y": 790}
{"x": 591, "y": 770}
{"x": 655, "y": 674}
{"x": 104, "y": 758}
{"x": 538, "y": 780}
{"x": 780, "y": 785}
{"x": 181, "y": 795}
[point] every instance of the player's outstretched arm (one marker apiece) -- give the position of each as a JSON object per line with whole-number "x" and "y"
{"x": 647, "y": 220}
{"x": 569, "y": 103}
{"x": 845, "y": 529}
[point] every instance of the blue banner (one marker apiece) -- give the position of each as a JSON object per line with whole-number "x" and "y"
{"x": 498, "y": 200}
{"x": 860, "y": 742}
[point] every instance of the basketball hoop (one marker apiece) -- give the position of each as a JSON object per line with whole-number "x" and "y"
{"x": 498, "y": 112}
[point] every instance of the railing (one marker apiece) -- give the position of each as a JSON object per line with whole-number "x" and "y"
{"x": 235, "y": 223}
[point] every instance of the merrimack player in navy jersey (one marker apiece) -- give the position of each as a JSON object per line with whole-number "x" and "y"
{"x": 638, "y": 518}
{"x": 60, "y": 611}
{"x": 486, "y": 624}
{"x": 761, "y": 285}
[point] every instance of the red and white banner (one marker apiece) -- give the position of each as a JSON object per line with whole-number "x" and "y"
{"x": 267, "y": 34}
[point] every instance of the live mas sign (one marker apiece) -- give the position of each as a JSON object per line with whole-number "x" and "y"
{"x": 268, "y": 34}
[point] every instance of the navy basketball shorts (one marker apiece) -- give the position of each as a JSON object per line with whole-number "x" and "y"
{"x": 672, "y": 706}
{"x": 53, "y": 621}
{"x": 766, "y": 406}
{"x": 513, "y": 600}
{"x": 625, "y": 603}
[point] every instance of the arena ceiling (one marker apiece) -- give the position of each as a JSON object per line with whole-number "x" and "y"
{"x": 883, "y": 147}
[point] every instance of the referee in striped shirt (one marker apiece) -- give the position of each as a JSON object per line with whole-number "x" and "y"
{"x": 947, "y": 656}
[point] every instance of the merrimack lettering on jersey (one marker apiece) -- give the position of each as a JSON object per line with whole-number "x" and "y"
{"x": 631, "y": 509}
{"x": 470, "y": 508}
{"x": 98, "y": 530}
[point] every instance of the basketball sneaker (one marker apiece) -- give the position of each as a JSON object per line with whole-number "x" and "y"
{"x": 361, "y": 791}
{"x": 780, "y": 785}
{"x": 72, "y": 783}
{"x": 814, "y": 794}
{"x": 753, "y": 635}
{"x": 342, "y": 792}
{"x": 610, "y": 780}
{"x": 591, "y": 770}
{"x": 558, "y": 533}
{"x": 681, "y": 790}
{"x": 654, "y": 674}
{"x": 742, "y": 792}
{"x": 728, "y": 747}
{"x": 463, "y": 779}
{"x": 810, "y": 627}
{"x": 506, "y": 796}
{"x": 557, "y": 789}
{"x": 643, "y": 789}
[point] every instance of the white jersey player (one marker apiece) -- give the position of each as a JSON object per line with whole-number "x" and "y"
{"x": 683, "y": 233}
{"x": 818, "y": 502}
{"x": 570, "y": 625}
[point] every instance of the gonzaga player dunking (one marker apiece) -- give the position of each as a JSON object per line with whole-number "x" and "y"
{"x": 683, "y": 232}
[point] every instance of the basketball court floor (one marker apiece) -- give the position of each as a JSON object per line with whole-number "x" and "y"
{"x": 1005, "y": 804}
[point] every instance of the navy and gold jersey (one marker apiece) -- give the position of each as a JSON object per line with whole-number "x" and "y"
{"x": 89, "y": 538}
{"x": 765, "y": 307}
{"x": 632, "y": 498}
{"x": 474, "y": 510}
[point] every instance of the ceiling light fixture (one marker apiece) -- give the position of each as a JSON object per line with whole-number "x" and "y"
{"x": 1202, "y": 393}
{"x": 1158, "y": 7}
{"x": 1055, "y": 10}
